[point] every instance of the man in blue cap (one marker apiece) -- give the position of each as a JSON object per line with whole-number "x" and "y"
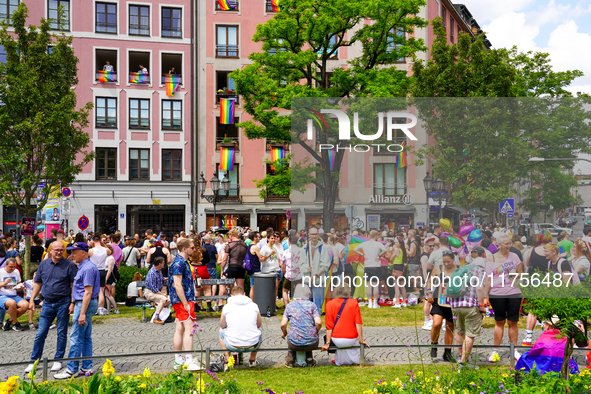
{"x": 84, "y": 305}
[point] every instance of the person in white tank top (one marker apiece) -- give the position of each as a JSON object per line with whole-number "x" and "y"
{"x": 98, "y": 255}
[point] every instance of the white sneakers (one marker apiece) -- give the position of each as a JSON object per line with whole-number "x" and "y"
{"x": 428, "y": 325}
{"x": 29, "y": 368}
{"x": 516, "y": 355}
{"x": 375, "y": 304}
{"x": 194, "y": 366}
{"x": 397, "y": 306}
{"x": 57, "y": 366}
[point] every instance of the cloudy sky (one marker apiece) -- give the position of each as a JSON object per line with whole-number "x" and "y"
{"x": 561, "y": 28}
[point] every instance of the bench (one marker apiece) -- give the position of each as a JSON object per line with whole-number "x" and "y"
{"x": 215, "y": 282}
{"x": 142, "y": 301}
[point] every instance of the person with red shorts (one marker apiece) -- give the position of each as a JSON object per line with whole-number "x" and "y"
{"x": 182, "y": 297}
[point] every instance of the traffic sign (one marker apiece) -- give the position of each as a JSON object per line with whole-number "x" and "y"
{"x": 507, "y": 206}
{"x": 66, "y": 192}
{"x": 509, "y": 215}
{"x": 83, "y": 223}
{"x": 351, "y": 211}
{"x": 288, "y": 214}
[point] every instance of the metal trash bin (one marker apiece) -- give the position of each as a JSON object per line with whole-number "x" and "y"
{"x": 264, "y": 292}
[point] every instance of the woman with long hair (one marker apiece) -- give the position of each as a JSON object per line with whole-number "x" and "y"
{"x": 581, "y": 259}
{"x": 200, "y": 267}
{"x": 399, "y": 261}
{"x": 535, "y": 260}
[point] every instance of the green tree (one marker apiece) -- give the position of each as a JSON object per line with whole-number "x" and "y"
{"x": 297, "y": 47}
{"x": 42, "y": 130}
{"x": 482, "y": 145}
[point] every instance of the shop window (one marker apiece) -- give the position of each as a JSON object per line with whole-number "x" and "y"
{"x": 172, "y": 164}
{"x": 227, "y": 134}
{"x": 234, "y": 193}
{"x": 106, "y": 65}
{"x": 106, "y": 18}
{"x": 225, "y": 87}
{"x": 389, "y": 180}
{"x": 167, "y": 218}
{"x": 172, "y": 67}
{"x": 106, "y": 112}
{"x": 105, "y": 219}
{"x": 55, "y": 22}
{"x": 233, "y": 5}
{"x": 7, "y": 8}
{"x": 171, "y": 22}
{"x": 139, "y": 164}
{"x": 139, "y": 67}
{"x": 139, "y": 20}
{"x": 227, "y": 41}
{"x": 227, "y": 221}
{"x": 172, "y": 114}
{"x": 106, "y": 163}
{"x": 139, "y": 113}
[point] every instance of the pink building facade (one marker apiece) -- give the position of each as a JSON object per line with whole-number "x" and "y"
{"x": 227, "y": 44}
{"x": 141, "y": 177}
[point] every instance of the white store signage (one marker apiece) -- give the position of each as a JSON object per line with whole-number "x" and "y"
{"x": 407, "y": 199}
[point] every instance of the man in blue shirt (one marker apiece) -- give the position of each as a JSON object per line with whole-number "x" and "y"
{"x": 83, "y": 306}
{"x": 54, "y": 281}
{"x": 153, "y": 290}
{"x": 182, "y": 296}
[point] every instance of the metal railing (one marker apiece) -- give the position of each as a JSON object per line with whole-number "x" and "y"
{"x": 207, "y": 354}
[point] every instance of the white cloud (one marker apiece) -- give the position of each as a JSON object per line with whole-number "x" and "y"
{"x": 512, "y": 29}
{"x": 488, "y": 10}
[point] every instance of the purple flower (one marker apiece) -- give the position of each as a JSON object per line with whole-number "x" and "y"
{"x": 268, "y": 391}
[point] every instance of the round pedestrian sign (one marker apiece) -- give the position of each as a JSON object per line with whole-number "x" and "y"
{"x": 66, "y": 192}
{"x": 288, "y": 214}
{"x": 83, "y": 223}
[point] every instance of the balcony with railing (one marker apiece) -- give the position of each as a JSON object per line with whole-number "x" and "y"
{"x": 284, "y": 145}
{"x": 272, "y": 197}
{"x": 139, "y": 78}
{"x": 227, "y": 51}
{"x": 390, "y": 189}
{"x": 106, "y": 76}
{"x": 233, "y": 5}
{"x": 227, "y": 142}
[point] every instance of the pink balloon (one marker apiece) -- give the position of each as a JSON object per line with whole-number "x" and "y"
{"x": 466, "y": 229}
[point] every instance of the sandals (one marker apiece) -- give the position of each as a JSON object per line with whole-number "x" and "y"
{"x": 32, "y": 326}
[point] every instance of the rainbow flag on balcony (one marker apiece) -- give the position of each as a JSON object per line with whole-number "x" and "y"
{"x": 172, "y": 82}
{"x": 225, "y": 5}
{"x": 275, "y": 5}
{"x": 227, "y": 159}
{"x": 401, "y": 157}
{"x": 107, "y": 76}
{"x": 331, "y": 158}
{"x": 138, "y": 78}
{"x": 277, "y": 154}
{"x": 226, "y": 111}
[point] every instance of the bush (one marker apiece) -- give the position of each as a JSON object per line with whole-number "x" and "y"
{"x": 126, "y": 278}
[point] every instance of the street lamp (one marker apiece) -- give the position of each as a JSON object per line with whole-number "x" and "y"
{"x": 217, "y": 195}
{"x": 428, "y": 183}
{"x": 435, "y": 185}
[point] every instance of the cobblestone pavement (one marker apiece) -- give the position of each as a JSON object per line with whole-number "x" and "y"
{"x": 125, "y": 336}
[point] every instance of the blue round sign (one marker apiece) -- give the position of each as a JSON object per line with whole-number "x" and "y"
{"x": 67, "y": 192}
{"x": 83, "y": 223}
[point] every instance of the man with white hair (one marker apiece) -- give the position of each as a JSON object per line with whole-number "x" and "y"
{"x": 304, "y": 321}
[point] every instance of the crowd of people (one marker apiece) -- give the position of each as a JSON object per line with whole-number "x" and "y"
{"x": 78, "y": 275}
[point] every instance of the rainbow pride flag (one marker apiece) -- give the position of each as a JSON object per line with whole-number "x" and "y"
{"x": 277, "y": 154}
{"x": 107, "y": 76}
{"x": 331, "y": 159}
{"x": 546, "y": 355}
{"x": 401, "y": 157}
{"x": 226, "y": 6}
{"x": 275, "y": 5}
{"x": 227, "y": 159}
{"x": 138, "y": 78}
{"x": 226, "y": 111}
{"x": 355, "y": 241}
{"x": 172, "y": 82}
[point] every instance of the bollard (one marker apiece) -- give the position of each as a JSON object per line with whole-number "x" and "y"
{"x": 511, "y": 357}
{"x": 207, "y": 358}
{"x": 45, "y": 363}
{"x": 361, "y": 354}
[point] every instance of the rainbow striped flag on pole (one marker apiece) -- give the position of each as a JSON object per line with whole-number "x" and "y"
{"x": 275, "y": 5}
{"x": 227, "y": 159}
{"x": 277, "y": 154}
{"x": 226, "y": 6}
{"x": 138, "y": 78}
{"x": 331, "y": 159}
{"x": 226, "y": 111}
{"x": 107, "y": 76}
{"x": 172, "y": 82}
{"x": 401, "y": 157}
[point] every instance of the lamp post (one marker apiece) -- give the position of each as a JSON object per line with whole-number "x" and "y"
{"x": 216, "y": 197}
{"x": 428, "y": 183}
{"x": 435, "y": 185}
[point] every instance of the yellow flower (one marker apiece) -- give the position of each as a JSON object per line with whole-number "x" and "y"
{"x": 118, "y": 378}
{"x": 451, "y": 392}
{"x": 142, "y": 386}
{"x": 10, "y": 386}
{"x": 147, "y": 373}
{"x": 577, "y": 381}
{"x": 201, "y": 386}
{"x": 419, "y": 373}
{"x": 231, "y": 362}
{"x": 108, "y": 368}
{"x": 496, "y": 357}
{"x": 505, "y": 375}
{"x": 466, "y": 391}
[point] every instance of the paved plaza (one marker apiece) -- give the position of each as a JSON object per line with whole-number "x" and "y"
{"x": 127, "y": 335}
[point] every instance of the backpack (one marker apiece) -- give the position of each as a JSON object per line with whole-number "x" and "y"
{"x": 247, "y": 263}
{"x": 459, "y": 282}
{"x": 575, "y": 278}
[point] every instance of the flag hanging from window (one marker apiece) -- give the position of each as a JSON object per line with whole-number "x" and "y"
{"x": 172, "y": 82}
{"x": 401, "y": 157}
{"x": 275, "y": 5}
{"x": 331, "y": 159}
{"x": 225, "y": 5}
{"x": 226, "y": 111}
{"x": 277, "y": 154}
{"x": 226, "y": 159}
{"x": 138, "y": 78}
{"x": 107, "y": 76}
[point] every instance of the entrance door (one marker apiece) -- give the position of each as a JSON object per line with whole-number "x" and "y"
{"x": 105, "y": 219}
{"x": 167, "y": 218}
